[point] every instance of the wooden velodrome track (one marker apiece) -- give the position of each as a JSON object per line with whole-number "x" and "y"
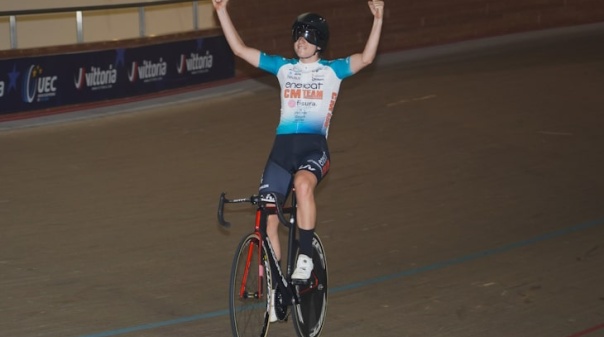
{"x": 465, "y": 199}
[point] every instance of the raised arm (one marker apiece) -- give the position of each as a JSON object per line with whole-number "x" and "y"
{"x": 251, "y": 55}
{"x": 361, "y": 60}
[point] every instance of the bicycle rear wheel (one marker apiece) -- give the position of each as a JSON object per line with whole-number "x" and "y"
{"x": 309, "y": 314}
{"x": 249, "y": 289}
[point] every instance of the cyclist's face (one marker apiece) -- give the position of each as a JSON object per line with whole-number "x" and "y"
{"x": 305, "y": 49}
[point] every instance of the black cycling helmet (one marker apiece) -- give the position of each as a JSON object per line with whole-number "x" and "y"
{"x": 311, "y": 27}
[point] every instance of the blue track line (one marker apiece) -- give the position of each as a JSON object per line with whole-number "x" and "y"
{"x": 381, "y": 279}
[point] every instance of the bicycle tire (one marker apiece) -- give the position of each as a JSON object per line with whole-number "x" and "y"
{"x": 309, "y": 314}
{"x": 249, "y": 291}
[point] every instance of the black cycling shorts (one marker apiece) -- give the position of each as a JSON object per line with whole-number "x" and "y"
{"x": 290, "y": 154}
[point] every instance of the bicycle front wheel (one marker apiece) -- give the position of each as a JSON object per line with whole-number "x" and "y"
{"x": 309, "y": 314}
{"x": 249, "y": 286}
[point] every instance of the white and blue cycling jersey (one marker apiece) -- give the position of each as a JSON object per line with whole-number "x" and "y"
{"x": 308, "y": 91}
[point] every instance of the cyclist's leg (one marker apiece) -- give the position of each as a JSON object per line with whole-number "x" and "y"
{"x": 305, "y": 183}
{"x": 309, "y": 174}
{"x": 275, "y": 180}
{"x": 311, "y": 170}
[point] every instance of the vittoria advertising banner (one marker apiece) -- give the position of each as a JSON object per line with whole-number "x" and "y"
{"x": 36, "y": 83}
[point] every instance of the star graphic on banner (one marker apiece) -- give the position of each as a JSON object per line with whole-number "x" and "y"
{"x": 13, "y": 75}
{"x": 199, "y": 44}
{"x": 120, "y": 58}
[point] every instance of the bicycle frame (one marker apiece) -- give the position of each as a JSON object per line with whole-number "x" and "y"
{"x": 263, "y": 210}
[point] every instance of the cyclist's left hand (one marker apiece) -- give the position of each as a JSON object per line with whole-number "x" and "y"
{"x": 377, "y": 8}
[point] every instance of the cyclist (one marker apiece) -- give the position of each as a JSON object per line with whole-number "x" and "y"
{"x": 309, "y": 88}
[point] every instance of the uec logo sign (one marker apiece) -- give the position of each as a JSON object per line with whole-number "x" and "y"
{"x": 36, "y": 85}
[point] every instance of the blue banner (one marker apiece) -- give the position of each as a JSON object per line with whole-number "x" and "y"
{"x": 38, "y": 83}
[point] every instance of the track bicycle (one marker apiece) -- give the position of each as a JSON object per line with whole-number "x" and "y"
{"x": 255, "y": 268}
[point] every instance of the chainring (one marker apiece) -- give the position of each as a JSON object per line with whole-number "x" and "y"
{"x": 280, "y": 306}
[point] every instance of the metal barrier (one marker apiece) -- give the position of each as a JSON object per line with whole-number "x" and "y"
{"x": 79, "y": 17}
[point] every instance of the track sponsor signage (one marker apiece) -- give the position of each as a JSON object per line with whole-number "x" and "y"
{"x": 37, "y": 83}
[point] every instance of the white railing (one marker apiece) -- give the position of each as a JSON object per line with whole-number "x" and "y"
{"x": 70, "y": 25}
